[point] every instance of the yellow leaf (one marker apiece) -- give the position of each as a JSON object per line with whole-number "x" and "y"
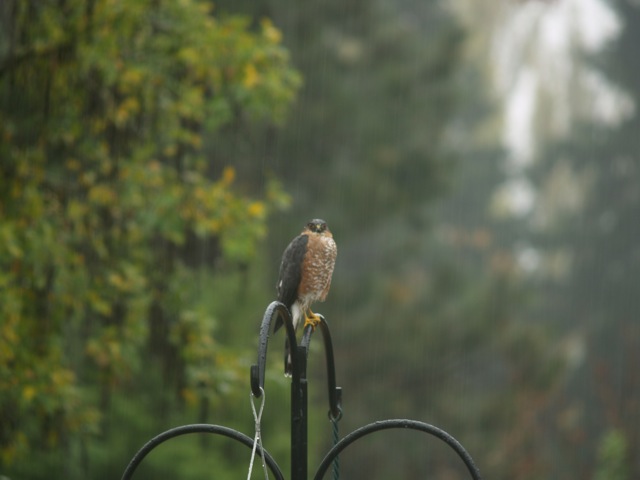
{"x": 132, "y": 77}
{"x": 270, "y": 32}
{"x": 98, "y": 304}
{"x": 102, "y": 194}
{"x": 62, "y": 378}
{"x": 117, "y": 281}
{"x": 73, "y": 164}
{"x": 189, "y": 396}
{"x": 251, "y": 76}
{"x": 228, "y": 175}
{"x": 76, "y": 209}
{"x": 256, "y": 209}
{"x": 126, "y": 109}
{"x": 28, "y": 392}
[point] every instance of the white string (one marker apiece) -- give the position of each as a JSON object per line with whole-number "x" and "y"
{"x": 257, "y": 440}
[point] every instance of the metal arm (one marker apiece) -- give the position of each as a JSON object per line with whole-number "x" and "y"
{"x": 275, "y": 310}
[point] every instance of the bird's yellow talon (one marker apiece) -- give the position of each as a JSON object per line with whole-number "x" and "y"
{"x": 311, "y": 319}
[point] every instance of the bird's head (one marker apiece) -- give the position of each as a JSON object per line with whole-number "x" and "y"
{"x": 317, "y": 226}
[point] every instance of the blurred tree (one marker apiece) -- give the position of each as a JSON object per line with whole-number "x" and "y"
{"x": 107, "y": 203}
{"x": 365, "y": 139}
{"x": 586, "y": 230}
{"x": 424, "y": 301}
{"x": 443, "y": 337}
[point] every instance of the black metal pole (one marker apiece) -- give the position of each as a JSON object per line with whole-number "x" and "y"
{"x": 299, "y": 399}
{"x": 299, "y": 440}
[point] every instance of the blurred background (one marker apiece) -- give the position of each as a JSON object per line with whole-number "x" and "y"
{"x": 477, "y": 161}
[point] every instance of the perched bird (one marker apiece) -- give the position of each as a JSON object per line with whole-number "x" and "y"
{"x": 305, "y": 275}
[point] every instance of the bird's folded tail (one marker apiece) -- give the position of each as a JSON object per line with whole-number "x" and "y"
{"x": 288, "y": 368}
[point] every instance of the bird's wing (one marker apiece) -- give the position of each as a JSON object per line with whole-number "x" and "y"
{"x": 291, "y": 271}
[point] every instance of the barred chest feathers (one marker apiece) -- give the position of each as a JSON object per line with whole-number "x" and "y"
{"x": 319, "y": 261}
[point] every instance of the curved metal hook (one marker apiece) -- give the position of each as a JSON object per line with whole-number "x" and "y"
{"x": 278, "y": 309}
{"x": 273, "y": 311}
{"x": 398, "y": 423}
{"x": 335, "y": 393}
{"x": 196, "y": 428}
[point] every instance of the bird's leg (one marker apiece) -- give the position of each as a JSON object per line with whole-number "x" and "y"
{"x": 311, "y": 318}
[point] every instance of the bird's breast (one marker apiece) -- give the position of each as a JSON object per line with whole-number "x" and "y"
{"x": 317, "y": 268}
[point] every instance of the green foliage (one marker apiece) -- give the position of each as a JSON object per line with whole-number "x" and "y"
{"x": 106, "y": 199}
{"x": 136, "y": 142}
{"x": 613, "y": 457}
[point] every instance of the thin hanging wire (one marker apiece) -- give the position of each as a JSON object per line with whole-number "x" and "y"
{"x": 257, "y": 440}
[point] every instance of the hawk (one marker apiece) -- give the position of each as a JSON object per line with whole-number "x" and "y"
{"x": 305, "y": 275}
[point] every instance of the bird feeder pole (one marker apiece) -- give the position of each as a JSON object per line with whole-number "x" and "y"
{"x": 299, "y": 443}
